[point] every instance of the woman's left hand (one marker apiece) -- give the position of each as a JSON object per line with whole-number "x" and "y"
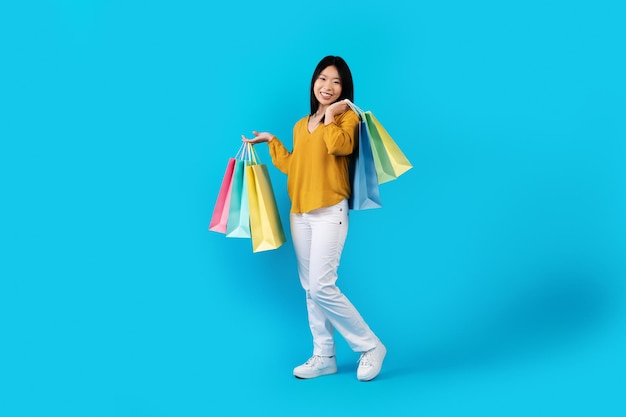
{"x": 258, "y": 137}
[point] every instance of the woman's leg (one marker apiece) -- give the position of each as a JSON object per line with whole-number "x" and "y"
{"x": 328, "y": 232}
{"x": 321, "y": 329}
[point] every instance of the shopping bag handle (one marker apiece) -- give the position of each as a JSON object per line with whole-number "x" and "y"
{"x": 253, "y": 155}
{"x": 354, "y": 107}
{"x": 248, "y": 154}
{"x": 241, "y": 153}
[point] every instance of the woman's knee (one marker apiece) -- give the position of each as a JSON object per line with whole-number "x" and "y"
{"x": 323, "y": 293}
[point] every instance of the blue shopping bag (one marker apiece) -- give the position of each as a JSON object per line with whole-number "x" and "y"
{"x": 363, "y": 178}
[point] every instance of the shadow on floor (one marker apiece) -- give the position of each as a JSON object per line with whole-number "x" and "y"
{"x": 547, "y": 316}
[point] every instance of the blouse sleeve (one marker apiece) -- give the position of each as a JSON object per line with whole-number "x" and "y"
{"x": 280, "y": 155}
{"x": 340, "y": 135}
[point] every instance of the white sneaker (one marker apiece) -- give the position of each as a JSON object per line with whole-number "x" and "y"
{"x": 371, "y": 363}
{"x": 316, "y": 366}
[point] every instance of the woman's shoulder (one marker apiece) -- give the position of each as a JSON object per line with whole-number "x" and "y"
{"x": 304, "y": 120}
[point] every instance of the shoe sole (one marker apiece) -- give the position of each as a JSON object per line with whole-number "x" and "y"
{"x": 327, "y": 372}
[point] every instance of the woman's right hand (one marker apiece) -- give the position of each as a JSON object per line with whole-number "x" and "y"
{"x": 258, "y": 137}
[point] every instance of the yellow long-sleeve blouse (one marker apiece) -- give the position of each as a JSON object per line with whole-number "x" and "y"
{"x": 317, "y": 166}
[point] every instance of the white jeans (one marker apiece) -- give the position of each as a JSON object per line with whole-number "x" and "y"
{"x": 318, "y": 238}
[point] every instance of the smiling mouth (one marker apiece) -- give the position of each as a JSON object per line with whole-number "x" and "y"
{"x": 325, "y": 95}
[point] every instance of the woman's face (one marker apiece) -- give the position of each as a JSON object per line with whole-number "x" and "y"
{"x": 327, "y": 87}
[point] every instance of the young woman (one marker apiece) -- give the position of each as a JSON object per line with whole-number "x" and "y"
{"x": 319, "y": 187}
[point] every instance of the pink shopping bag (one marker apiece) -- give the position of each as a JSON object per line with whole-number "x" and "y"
{"x": 219, "y": 220}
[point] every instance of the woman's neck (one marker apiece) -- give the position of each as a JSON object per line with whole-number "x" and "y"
{"x": 320, "y": 110}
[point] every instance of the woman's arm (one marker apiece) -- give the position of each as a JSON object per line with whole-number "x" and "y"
{"x": 341, "y": 129}
{"x": 280, "y": 155}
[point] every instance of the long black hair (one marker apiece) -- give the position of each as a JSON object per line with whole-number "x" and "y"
{"x": 347, "y": 87}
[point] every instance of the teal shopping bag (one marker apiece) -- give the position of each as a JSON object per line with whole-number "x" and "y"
{"x": 238, "y": 224}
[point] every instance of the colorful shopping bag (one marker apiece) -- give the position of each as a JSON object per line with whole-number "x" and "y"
{"x": 265, "y": 224}
{"x": 395, "y": 157}
{"x": 238, "y": 224}
{"x": 389, "y": 159}
{"x": 222, "y": 205}
{"x": 384, "y": 169}
{"x": 363, "y": 178}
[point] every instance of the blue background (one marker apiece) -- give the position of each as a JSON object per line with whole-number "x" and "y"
{"x": 494, "y": 272}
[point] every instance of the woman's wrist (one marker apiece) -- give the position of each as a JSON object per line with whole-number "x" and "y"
{"x": 329, "y": 117}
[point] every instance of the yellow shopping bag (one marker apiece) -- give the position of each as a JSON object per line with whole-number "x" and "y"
{"x": 265, "y": 225}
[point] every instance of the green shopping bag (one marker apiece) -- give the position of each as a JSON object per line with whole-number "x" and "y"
{"x": 395, "y": 157}
{"x": 384, "y": 169}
